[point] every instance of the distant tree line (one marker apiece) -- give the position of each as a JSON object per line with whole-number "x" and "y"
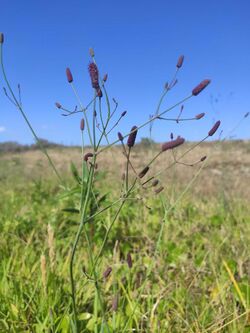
{"x": 12, "y": 146}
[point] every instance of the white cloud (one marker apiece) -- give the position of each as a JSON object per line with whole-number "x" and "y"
{"x": 2, "y": 129}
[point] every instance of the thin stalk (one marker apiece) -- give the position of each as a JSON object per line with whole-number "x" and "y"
{"x": 146, "y": 123}
{"x": 83, "y": 215}
{"x": 127, "y": 164}
{"x": 167, "y": 211}
{"x": 18, "y": 105}
{"x": 84, "y": 112}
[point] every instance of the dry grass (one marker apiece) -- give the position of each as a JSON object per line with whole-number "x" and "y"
{"x": 227, "y": 168}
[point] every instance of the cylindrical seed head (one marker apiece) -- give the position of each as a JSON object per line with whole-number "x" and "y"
{"x": 87, "y": 156}
{"x": 94, "y": 75}
{"x": 143, "y": 172}
{"x": 69, "y": 75}
{"x": 172, "y": 144}
{"x": 159, "y": 189}
{"x": 199, "y": 116}
{"x": 201, "y": 86}
{"x": 214, "y": 128}
{"x": 58, "y": 105}
{"x": 155, "y": 182}
{"x": 107, "y": 272}
{"x": 129, "y": 260}
{"x": 180, "y": 61}
{"x": 105, "y": 78}
{"x": 120, "y": 136}
{"x": 123, "y": 113}
{"x": 82, "y": 124}
{"x": 1, "y": 38}
{"x": 132, "y": 137}
{"x": 203, "y": 158}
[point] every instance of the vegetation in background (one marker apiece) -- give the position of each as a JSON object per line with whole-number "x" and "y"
{"x": 87, "y": 255}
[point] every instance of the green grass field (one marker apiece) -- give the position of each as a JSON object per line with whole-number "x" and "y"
{"x": 189, "y": 247}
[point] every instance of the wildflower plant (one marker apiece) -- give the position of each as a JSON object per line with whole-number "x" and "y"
{"x": 99, "y": 117}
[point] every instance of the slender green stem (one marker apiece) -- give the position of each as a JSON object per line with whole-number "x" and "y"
{"x": 19, "y": 106}
{"x": 84, "y": 112}
{"x": 146, "y": 123}
{"x": 166, "y": 213}
{"x": 83, "y": 216}
{"x": 113, "y": 221}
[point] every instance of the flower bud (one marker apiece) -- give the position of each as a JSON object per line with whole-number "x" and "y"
{"x": 132, "y": 137}
{"x": 214, "y": 128}
{"x": 143, "y": 172}
{"x": 107, "y": 273}
{"x": 180, "y": 61}
{"x": 172, "y": 144}
{"x": 69, "y": 75}
{"x": 94, "y": 75}
{"x": 155, "y": 182}
{"x": 201, "y": 86}
{"x": 82, "y": 124}
{"x": 120, "y": 136}
{"x": 129, "y": 260}
{"x": 87, "y": 156}
{"x": 159, "y": 189}
{"x": 199, "y": 116}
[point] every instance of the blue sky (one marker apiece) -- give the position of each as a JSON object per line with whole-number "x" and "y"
{"x": 137, "y": 43}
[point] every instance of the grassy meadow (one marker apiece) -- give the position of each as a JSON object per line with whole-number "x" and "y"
{"x": 173, "y": 262}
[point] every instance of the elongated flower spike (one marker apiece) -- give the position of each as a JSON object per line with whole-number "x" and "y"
{"x": 180, "y": 61}
{"x": 129, "y": 260}
{"x": 172, "y": 144}
{"x": 143, "y": 172}
{"x": 82, "y": 124}
{"x": 214, "y": 128}
{"x": 155, "y": 182}
{"x": 105, "y": 78}
{"x": 1, "y": 38}
{"x": 58, "y": 105}
{"x": 87, "y": 156}
{"x": 123, "y": 113}
{"x": 107, "y": 273}
{"x": 132, "y": 137}
{"x": 69, "y": 75}
{"x": 199, "y": 116}
{"x": 201, "y": 86}
{"x": 94, "y": 75}
{"x": 159, "y": 189}
{"x": 120, "y": 136}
